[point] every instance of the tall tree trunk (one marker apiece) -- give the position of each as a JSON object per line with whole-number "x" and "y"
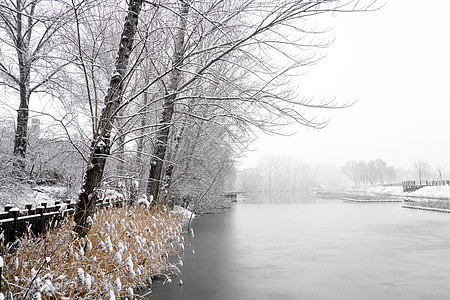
{"x": 171, "y": 166}
{"x": 101, "y": 141}
{"x": 20, "y": 139}
{"x": 178, "y": 139}
{"x": 22, "y": 42}
{"x": 164, "y": 128}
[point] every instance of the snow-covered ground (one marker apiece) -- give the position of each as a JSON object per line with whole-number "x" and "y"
{"x": 24, "y": 194}
{"x": 434, "y": 192}
{"x": 379, "y": 190}
{"x": 186, "y": 214}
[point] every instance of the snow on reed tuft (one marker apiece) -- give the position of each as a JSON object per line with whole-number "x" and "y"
{"x": 130, "y": 292}
{"x": 88, "y": 281}
{"x": 80, "y": 275}
{"x": 117, "y": 258}
{"x": 129, "y": 266}
{"x": 118, "y": 284}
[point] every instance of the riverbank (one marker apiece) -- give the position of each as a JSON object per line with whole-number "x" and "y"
{"x": 433, "y": 198}
{"x": 374, "y": 192}
{"x": 125, "y": 248}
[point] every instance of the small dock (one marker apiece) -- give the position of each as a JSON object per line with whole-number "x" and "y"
{"x": 232, "y": 195}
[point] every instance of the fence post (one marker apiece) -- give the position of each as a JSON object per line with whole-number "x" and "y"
{"x": 8, "y": 207}
{"x": 40, "y": 210}
{"x": 14, "y": 213}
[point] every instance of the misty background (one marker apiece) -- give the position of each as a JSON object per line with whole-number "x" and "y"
{"x": 393, "y": 62}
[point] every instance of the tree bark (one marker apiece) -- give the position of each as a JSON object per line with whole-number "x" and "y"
{"x": 22, "y": 48}
{"x": 164, "y": 128}
{"x": 102, "y": 141}
{"x": 121, "y": 147}
{"x": 20, "y": 139}
{"x": 171, "y": 166}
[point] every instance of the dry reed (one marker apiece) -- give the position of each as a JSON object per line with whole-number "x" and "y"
{"x": 124, "y": 249}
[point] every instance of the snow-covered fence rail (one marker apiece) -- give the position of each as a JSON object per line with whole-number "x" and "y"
{"x": 14, "y": 222}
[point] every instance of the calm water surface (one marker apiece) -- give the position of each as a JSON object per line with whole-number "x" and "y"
{"x": 318, "y": 250}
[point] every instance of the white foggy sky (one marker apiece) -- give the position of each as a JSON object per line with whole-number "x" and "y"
{"x": 396, "y": 63}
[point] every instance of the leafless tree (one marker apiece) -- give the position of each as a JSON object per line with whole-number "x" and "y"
{"x": 352, "y": 169}
{"x": 191, "y": 47}
{"x": 371, "y": 172}
{"x": 244, "y": 36}
{"x": 421, "y": 168}
{"x": 156, "y": 166}
{"x": 101, "y": 141}
{"x": 201, "y": 167}
{"x": 29, "y": 59}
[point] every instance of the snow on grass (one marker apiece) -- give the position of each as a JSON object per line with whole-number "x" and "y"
{"x": 60, "y": 265}
{"x": 433, "y": 192}
{"x": 144, "y": 202}
{"x": 428, "y": 203}
{"x": 379, "y": 190}
{"x": 184, "y": 213}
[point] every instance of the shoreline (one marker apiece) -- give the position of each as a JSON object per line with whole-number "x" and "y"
{"x": 430, "y": 198}
{"x": 377, "y": 192}
{"x": 370, "y": 200}
{"x": 427, "y": 208}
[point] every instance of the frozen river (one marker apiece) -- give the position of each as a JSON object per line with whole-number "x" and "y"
{"x": 318, "y": 250}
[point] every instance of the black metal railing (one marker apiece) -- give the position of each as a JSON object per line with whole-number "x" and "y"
{"x": 412, "y": 185}
{"x": 15, "y": 222}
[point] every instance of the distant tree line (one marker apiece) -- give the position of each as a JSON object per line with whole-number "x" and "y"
{"x": 276, "y": 173}
{"x": 370, "y": 172}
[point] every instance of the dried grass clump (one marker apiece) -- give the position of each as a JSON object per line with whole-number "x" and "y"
{"x": 124, "y": 249}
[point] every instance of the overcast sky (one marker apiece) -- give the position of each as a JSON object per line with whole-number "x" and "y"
{"x": 396, "y": 63}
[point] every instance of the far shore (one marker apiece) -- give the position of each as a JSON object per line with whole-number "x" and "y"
{"x": 428, "y": 192}
{"x": 433, "y": 198}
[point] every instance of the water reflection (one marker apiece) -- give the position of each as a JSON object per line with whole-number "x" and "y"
{"x": 294, "y": 197}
